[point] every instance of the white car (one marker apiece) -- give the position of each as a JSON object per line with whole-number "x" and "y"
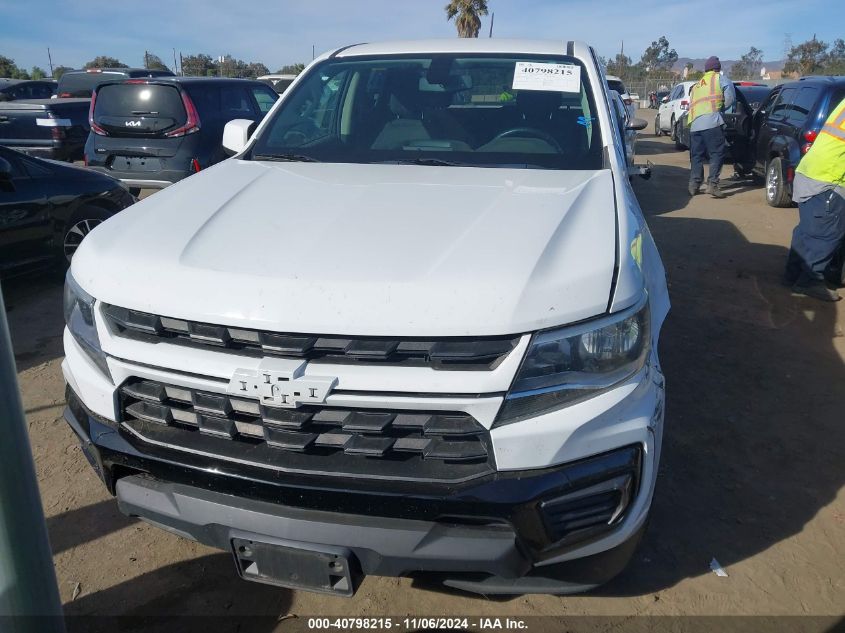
{"x": 673, "y": 107}
{"x": 627, "y": 128}
{"x": 615, "y": 83}
{"x": 410, "y": 326}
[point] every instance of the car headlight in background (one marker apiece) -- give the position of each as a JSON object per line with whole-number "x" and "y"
{"x": 79, "y": 317}
{"x": 576, "y": 362}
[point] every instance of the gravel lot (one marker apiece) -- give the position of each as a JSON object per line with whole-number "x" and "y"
{"x": 752, "y": 470}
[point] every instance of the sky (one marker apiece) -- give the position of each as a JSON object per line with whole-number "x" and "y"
{"x": 283, "y": 31}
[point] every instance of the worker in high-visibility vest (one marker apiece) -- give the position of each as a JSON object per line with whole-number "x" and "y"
{"x": 819, "y": 190}
{"x": 708, "y": 99}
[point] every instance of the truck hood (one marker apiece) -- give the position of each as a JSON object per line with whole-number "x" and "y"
{"x": 391, "y": 250}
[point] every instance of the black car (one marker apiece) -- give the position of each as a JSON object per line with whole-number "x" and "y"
{"x": 48, "y": 128}
{"x": 17, "y": 89}
{"x": 784, "y": 128}
{"x": 151, "y": 133}
{"x": 82, "y": 83}
{"x": 738, "y": 128}
{"x": 46, "y": 208}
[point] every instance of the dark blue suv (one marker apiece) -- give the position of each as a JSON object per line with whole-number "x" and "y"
{"x": 785, "y": 127}
{"x": 153, "y": 132}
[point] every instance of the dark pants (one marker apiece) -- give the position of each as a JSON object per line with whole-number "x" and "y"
{"x": 817, "y": 238}
{"x": 707, "y": 143}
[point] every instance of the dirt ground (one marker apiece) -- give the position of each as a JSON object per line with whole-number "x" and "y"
{"x": 752, "y": 471}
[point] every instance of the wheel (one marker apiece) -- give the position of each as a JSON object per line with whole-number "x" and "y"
{"x": 657, "y": 130}
{"x": 77, "y": 227}
{"x": 777, "y": 192}
{"x": 672, "y": 127}
{"x": 676, "y": 135}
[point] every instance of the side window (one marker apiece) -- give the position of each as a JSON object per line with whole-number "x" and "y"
{"x": 235, "y": 103}
{"x": 802, "y": 105}
{"x": 264, "y": 98}
{"x": 42, "y": 92}
{"x": 766, "y": 106}
{"x": 781, "y": 105}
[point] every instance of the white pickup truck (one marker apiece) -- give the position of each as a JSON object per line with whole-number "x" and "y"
{"x": 410, "y": 326}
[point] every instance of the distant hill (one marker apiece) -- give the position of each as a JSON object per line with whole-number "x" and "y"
{"x": 698, "y": 64}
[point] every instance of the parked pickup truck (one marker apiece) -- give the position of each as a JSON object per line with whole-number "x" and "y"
{"x": 410, "y": 326}
{"x": 47, "y": 128}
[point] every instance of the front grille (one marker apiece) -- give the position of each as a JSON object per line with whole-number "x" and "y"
{"x": 400, "y": 444}
{"x": 444, "y": 353}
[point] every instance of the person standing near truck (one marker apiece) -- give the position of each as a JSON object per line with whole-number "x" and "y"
{"x": 709, "y": 98}
{"x": 819, "y": 190}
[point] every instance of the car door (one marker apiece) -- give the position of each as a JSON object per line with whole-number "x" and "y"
{"x": 665, "y": 109}
{"x": 772, "y": 121}
{"x": 24, "y": 214}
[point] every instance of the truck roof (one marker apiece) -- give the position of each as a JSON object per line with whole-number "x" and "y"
{"x": 466, "y": 45}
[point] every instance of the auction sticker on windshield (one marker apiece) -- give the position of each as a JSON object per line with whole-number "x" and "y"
{"x": 547, "y": 76}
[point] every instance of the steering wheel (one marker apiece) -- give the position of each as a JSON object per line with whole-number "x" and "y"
{"x": 531, "y": 132}
{"x": 300, "y": 133}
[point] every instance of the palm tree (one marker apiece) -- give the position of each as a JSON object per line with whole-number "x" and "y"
{"x": 467, "y": 15}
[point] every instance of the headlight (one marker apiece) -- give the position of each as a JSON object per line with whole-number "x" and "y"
{"x": 79, "y": 317}
{"x": 577, "y": 362}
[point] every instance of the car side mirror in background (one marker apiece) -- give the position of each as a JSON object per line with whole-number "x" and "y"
{"x": 236, "y": 135}
{"x": 664, "y": 100}
{"x": 636, "y": 124}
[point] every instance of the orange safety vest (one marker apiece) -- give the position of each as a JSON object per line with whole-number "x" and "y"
{"x": 826, "y": 159}
{"x": 706, "y": 96}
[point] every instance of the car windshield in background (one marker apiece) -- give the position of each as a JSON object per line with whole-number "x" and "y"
{"x": 481, "y": 110}
{"x": 754, "y": 95}
{"x": 132, "y": 109}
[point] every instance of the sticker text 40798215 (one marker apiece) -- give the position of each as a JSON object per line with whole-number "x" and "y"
{"x": 552, "y": 77}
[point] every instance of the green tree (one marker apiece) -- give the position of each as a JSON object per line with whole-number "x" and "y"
{"x": 291, "y": 69}
{"x": 199, "y": 65}
{"x": 58, "y": 71}
{"x": 619, "y": 66}
{"x": 659, "y": 56}
{"x": 37, "y": 73}
{"x": 467, "y": 15}
{"x": 8, "y": 67}
{"x": 834, "y": 63}
{"x": 256, "y": 69}
{"x": 808, "y": 58}
{"x": 749, "y": 65}
{"x": 104, "y": 61}
{"x": 153, "y": 62}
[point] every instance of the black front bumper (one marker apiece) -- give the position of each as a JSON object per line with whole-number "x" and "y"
{"x": 489, "y": 534}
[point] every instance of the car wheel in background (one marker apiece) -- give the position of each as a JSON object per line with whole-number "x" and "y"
{"x": 657, "y": 130}
{"x": 672, "y": 127}
{"x": 777, "y": 193}
{"x": 135, "y": 191}
{"x": 676, "y": 134}
{"x": 78, "y": 226}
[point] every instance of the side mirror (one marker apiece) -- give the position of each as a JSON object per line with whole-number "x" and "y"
{"x": 636, "y": 124}
{"x": 665, "y": 99}
{"x": 236, "y": 135}
{"x": 5, "y": 169}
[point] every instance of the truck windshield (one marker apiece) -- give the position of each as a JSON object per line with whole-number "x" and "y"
{"x": 475, "y": 110}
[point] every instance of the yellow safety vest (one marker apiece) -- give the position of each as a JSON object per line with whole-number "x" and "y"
{"x": 825, "y": 161}
{"x": 706, "y": 96}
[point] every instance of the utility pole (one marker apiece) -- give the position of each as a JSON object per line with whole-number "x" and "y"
{"x": 492, "y": 19}
{"x": 175, "y": 67}
{"x": 313, "y": 55}
{"x": 50, "y": 59}
{"x": 181, "y": 64}
{"x": 146, "y": 60}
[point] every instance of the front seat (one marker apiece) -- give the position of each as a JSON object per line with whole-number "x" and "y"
{"x": 405, "y": 107}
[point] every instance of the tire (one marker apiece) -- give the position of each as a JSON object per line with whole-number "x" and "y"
{"x": 657, "y": 131}
{"x": 679, "y": 145}
{"x": 777, "y": 193}
{"x": 672, "y": 127}
{"x": 82, "y": 222}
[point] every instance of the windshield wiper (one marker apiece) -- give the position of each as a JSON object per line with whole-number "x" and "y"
{"x": 286, "y": 158}
{"x": 434, "y": 162}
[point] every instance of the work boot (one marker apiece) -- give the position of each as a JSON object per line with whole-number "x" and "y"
{"x": 693, "y": 188}
{"x": 816, "y": 290}
{"x": 714, "y": 190}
